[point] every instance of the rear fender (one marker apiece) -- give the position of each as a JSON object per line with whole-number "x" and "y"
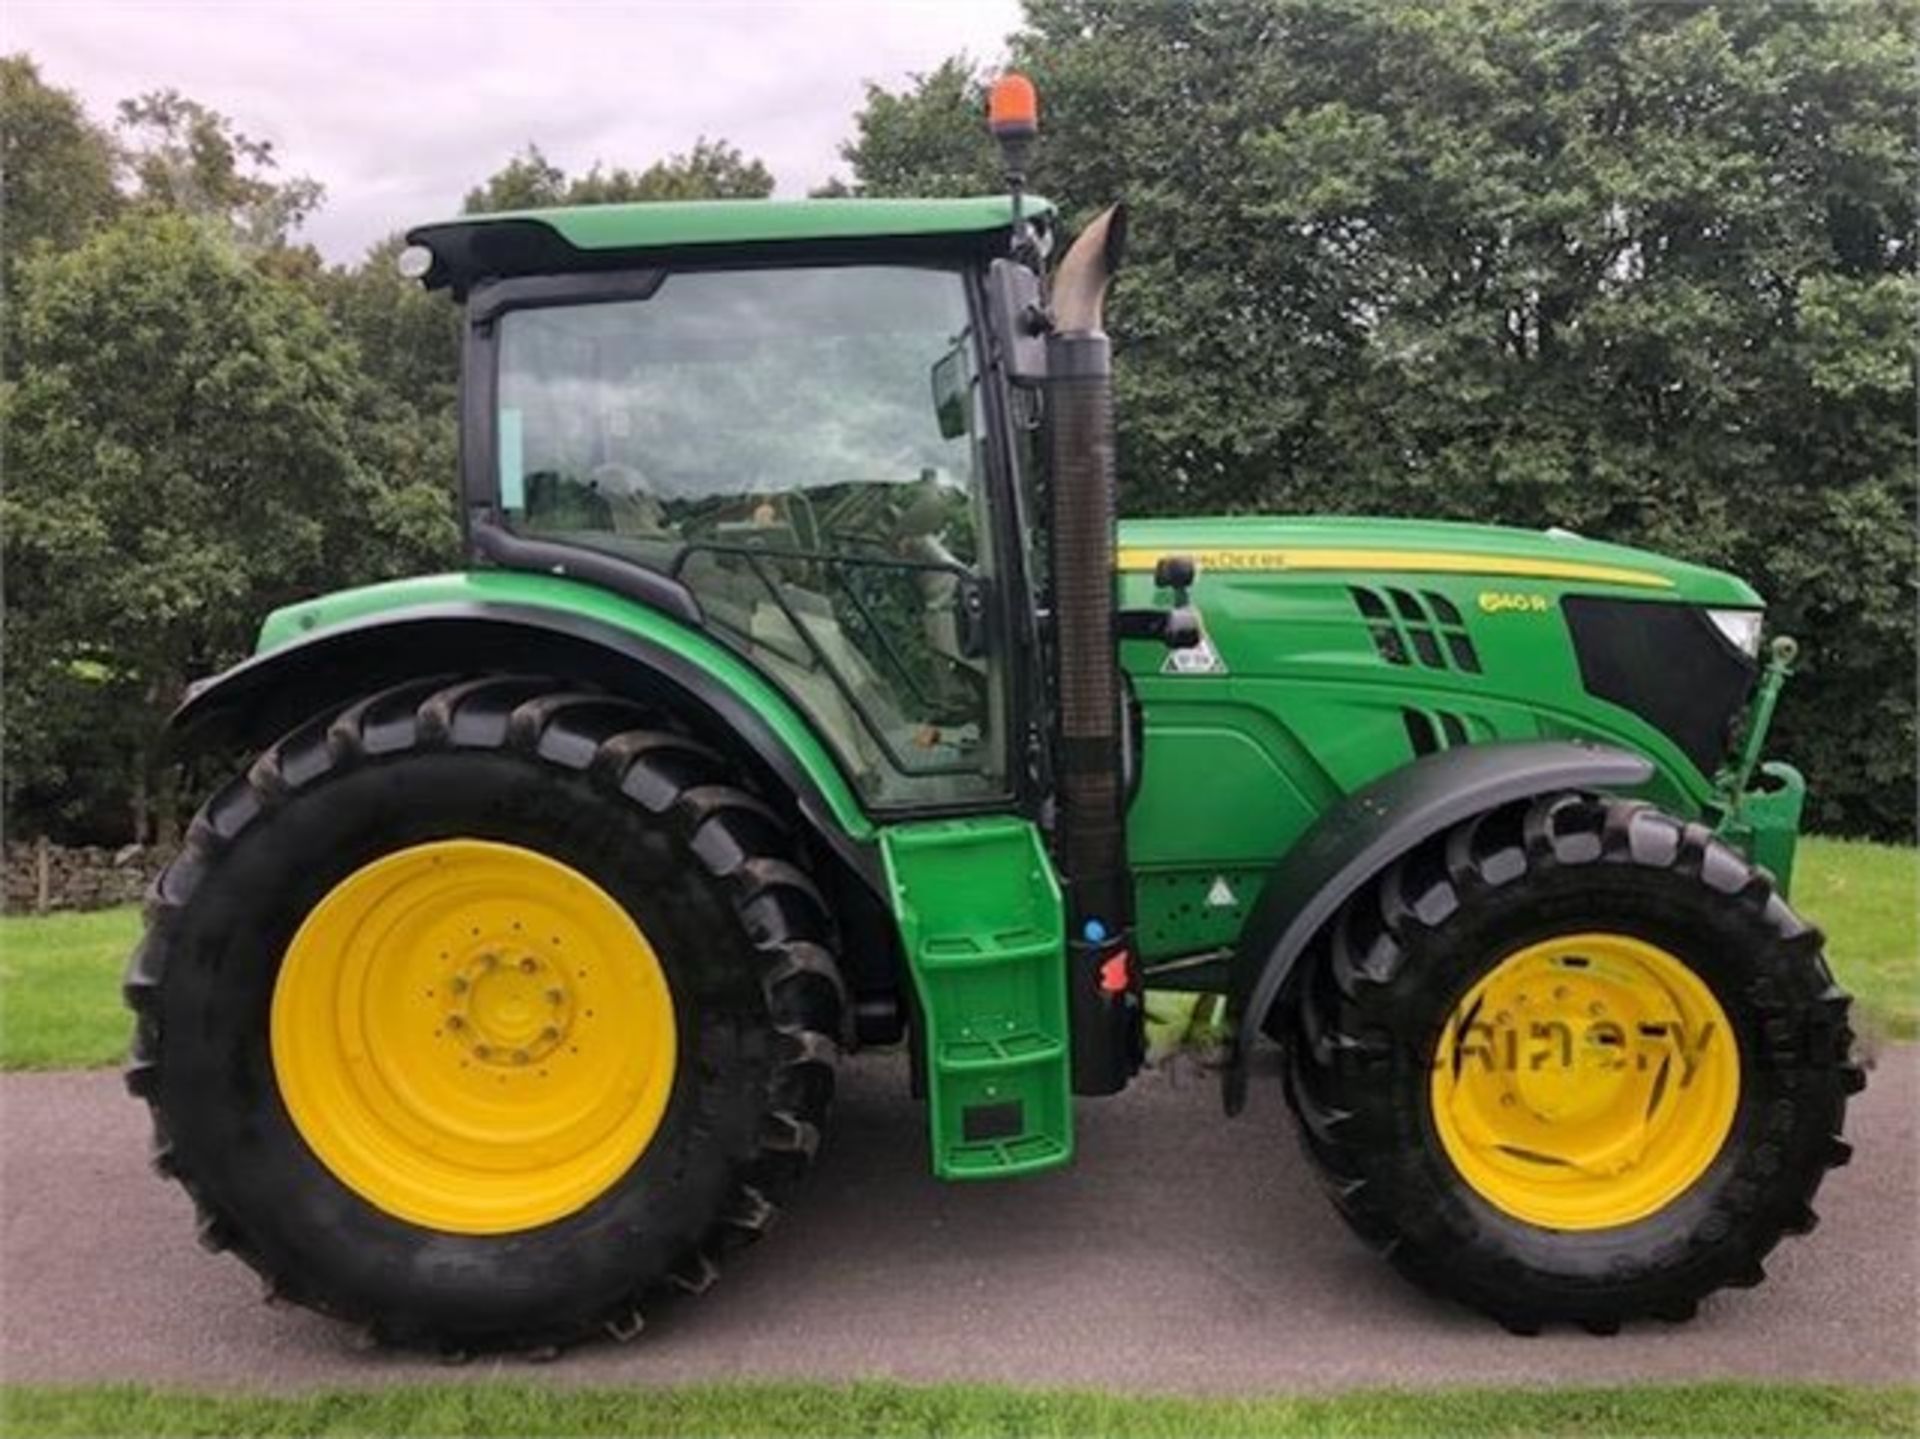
{"x": 718, "y": 695}
{"x": 1367, "y": 831}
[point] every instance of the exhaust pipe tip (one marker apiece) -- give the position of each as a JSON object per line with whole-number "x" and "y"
{"x": 1080, "y": 283}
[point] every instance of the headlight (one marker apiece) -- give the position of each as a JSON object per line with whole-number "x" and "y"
{"x": 1741, "y": 627}
{"x": 414, "y": 262}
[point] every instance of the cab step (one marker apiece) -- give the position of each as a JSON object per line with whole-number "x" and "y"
{"x": 984, "y": 929}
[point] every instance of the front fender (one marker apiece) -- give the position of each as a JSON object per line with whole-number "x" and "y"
{"x": 1367, "y": 831}
{"x": 346, "y": 645}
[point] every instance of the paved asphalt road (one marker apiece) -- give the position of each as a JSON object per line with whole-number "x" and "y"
{"x": 1183, "y": 1252}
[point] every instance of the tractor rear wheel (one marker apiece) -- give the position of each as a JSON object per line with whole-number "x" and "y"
{"x": 1574, "y": 1060}
{"x": 478, "y": 1012}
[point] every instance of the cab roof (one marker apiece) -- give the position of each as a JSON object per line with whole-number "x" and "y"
{"x": 599, "y": 237}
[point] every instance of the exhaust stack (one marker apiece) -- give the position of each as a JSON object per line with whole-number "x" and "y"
{"x": 1103, "y": 976}
{"x": 1090, "y": 837}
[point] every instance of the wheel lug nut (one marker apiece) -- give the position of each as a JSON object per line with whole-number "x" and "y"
{"x": 555, "y": 996}
{"x": 490, "y": 960}
{"x": 549, "y": 1033}
{"x": 528, "y": 965}
{"x": 454, "y": 1021}
{"x": 480, "y": 1051}
{"x": 519, "y": 1056}
{"x": 459, "y": 985}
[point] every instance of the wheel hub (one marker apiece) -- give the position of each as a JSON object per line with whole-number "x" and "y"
{"x": 1582, "y": 1082}
{"x": 473, "y": 1036}
{"x": 508, "y": 1008}
{"x": 1585, "y": 1081}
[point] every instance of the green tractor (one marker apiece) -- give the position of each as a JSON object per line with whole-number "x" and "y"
{"x": 804, "y": 695}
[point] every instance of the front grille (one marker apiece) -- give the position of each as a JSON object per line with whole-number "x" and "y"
{"x": 1666, "y": 662}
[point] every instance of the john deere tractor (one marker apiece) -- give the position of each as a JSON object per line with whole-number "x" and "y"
{"x": 802, "y": 694}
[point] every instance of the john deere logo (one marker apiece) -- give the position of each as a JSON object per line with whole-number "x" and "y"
{"x": 1241, "y": 560}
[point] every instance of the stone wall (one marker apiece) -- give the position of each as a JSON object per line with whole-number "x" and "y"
{"x": 53, "y": 876}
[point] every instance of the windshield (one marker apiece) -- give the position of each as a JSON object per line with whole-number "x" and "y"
{"x": 800, "y": 448}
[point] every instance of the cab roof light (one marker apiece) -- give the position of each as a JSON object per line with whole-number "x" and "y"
{"x": 1013, "y": 108}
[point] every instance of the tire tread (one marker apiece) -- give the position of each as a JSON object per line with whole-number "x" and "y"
{"x": 638, "y": 757}
{"x": 1355, "y": 971}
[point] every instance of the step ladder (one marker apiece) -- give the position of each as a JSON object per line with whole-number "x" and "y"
{"x": 984, "y": 930}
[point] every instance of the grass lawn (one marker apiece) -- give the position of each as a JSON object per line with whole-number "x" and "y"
{"x": 60, "y": 988}
{"x": 1867, "y": 898}
{"x": 60, "y": 975}
{"x": 898, "y": 1409}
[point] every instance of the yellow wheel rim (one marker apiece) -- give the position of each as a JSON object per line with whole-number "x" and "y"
{"x": 473, "y": 1037}
{"x": 1585, "y": 1082}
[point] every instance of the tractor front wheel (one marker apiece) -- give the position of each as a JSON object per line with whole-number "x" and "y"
{"x": 1573, "y": 1061}
{"x": 478, "y": 1012}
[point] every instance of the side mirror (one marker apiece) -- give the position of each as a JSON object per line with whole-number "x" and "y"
{"x": 1018, "y": 314}
{"x": 950, "y": 398}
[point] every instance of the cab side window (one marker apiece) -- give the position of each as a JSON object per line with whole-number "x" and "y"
{"x": 801, "y": 448}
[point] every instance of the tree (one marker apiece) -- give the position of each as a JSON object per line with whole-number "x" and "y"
{"x": 711, "y": 170}
{"x": 407, "y": 351}
{"x": 528, "y": 181}
{"x": 56, "y": 166}
{"x": 408, "y": 338}
{"x": 164, "y": 489}
{"x": 1647, "y": 272}
{"x": 189, "y": 158}
{"x": 927, "y": 139}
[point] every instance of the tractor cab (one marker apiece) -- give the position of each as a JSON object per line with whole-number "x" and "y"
{"x": 799, "y": 441}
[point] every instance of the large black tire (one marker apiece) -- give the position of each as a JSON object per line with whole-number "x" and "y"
{"x": 661, "y": 824}
{"x": 1378, "y": 988}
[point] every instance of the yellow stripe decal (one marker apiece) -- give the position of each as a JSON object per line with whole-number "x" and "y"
{"x": 1416, "y": 561}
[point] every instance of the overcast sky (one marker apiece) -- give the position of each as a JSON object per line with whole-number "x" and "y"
{"x": 398, "y": 108}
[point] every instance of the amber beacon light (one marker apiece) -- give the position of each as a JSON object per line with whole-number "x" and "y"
{"x": 1013, "y": 108}
{"x": 1013, "y": 115}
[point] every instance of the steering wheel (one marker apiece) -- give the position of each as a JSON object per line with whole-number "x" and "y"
{"x": 624, "y": 489}
{"x": 630, "y": 480}
{"x": 872, "y": 512}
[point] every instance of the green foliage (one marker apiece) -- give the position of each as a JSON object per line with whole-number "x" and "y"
{"x": 1642, "y": 271}
{"x": 56, "y": 166}
{"x": 190, "y": 159}
{"x": 182, "y": 457}
{"x": 205, "y": 421}
{"x": 409, "y": 340}
{"x": 528, "y": 181}
{"x": 927, "y": 140}
{"x": 711, "y": 170}
{"x": 407, "y": 343}
{"x": 884, "y": 1408}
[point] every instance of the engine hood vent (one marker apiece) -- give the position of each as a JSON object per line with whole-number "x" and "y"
{"x": 1417, "y": 627}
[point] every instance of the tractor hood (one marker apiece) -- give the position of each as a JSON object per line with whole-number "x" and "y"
{"x": 1361, "y": 547}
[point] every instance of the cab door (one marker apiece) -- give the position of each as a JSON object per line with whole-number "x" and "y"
{"x": 804, "y": 449}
